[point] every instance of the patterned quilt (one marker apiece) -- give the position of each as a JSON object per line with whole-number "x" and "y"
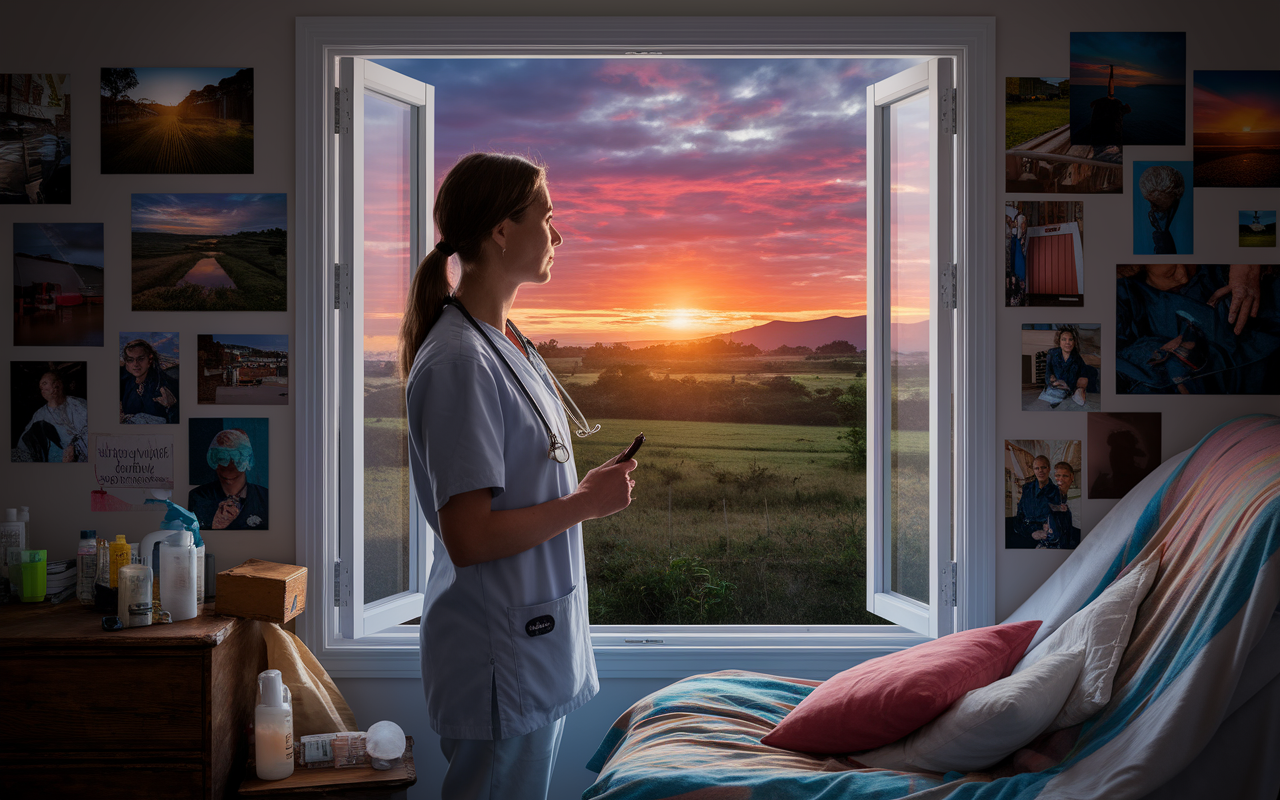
{"x": 1216, "y": 524}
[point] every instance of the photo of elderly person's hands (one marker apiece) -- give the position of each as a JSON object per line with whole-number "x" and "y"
{"x": 1244, "y": 286}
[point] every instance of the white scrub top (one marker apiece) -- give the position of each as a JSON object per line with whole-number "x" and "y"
{"x": 516, "y": 626}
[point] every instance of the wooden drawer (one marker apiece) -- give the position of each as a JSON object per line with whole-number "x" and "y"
{"x": 84, "y": 701}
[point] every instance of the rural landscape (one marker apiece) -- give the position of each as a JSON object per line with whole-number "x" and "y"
{"x": 195, "y": 272}
{"x": 149, "y": 125}
{"x": 750, "y": 498}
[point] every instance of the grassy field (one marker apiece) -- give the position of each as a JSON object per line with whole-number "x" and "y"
{"x": 1263, "y": 238}
{"x": 1025, "y": 121}
{"x": 172, "y": 144}
{"x": 256, "y": 262}
{"x": 730, "y": 523}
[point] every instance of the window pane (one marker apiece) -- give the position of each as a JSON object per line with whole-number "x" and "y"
{"x": 387, "y": 232}
{"x": 908, "y": 535}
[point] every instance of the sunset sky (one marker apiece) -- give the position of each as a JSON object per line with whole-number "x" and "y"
{"x": 696, "y": 196}
{"x": 209, "y": 214}
{"x": 1237, "y": 101}
{"x": 1139, "y": 58}
{"x": 169, "y": 85}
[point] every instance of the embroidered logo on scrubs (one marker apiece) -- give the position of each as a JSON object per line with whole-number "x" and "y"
{"x": 540, "y": 625}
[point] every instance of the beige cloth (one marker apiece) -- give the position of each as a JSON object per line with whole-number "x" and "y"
{"x": 318, "y": 706}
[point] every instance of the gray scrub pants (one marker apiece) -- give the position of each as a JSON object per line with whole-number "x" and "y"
{"x": 518, "y": 768}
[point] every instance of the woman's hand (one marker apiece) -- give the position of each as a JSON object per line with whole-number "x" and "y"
{"x": 1244, "y": 285}
{"x": 166, "y": 397}
{"x": 607, "y": 489}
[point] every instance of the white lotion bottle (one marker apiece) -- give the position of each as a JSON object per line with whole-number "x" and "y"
{"x": 273, "y": 727}
{"x": 178, "y": 576}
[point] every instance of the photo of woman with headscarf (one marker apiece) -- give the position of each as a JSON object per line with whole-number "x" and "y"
{"x": 149, "y": 378}
{"x": 50, "y": 423}
{"x": 1060, "y": 367}
{"x": 1197, "y": 329}
{"x": 234, "y": 499}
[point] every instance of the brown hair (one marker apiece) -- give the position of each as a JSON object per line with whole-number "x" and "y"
{"x": 153, "y": 358}
{"x": 481, "y": 191}
{"x": 1075, "y": 337}
{"x": 1066, "y": 466}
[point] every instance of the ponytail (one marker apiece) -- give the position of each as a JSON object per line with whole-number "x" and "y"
{"x": 427, "y": 294}
{"x": 479, "y": 192}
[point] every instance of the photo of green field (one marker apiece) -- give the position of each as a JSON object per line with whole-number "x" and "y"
{"x": 209, "y": 253}
{"x": 731, "y": 522}
{"x": 166, "y": 121}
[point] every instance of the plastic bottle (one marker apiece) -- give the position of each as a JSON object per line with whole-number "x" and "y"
{"x": 178, "y": 575}
{"x": 13, "y": 537}
{"x": 175, "y": 519}
{"x": 121, "y": 554}
{"x": 86, "y": 567}
{"x": 24, "y": 516}
{"x": 134, "y": 600}
{"x": 273, "y": 727}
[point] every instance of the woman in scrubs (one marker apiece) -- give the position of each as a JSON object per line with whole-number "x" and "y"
{"x": 506, "y": 648}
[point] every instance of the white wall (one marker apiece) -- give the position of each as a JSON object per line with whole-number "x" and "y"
{"x": 80, "y": 37}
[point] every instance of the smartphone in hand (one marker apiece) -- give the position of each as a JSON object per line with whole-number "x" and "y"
{"x": 631, "y": 451}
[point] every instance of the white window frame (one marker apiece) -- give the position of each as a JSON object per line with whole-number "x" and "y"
{"x": 623, "y": 651}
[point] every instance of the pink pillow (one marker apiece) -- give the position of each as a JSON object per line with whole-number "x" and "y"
{"x": 881, "y": 700}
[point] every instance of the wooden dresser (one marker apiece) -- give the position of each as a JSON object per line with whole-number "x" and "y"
{"x": 161, "y": 711}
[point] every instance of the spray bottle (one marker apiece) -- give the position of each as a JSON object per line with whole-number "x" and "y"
{"x": 176, "y": 518}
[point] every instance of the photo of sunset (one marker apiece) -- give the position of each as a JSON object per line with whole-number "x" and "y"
{"x": 177, "y": 120}
{"x": 1128, "y": 88}
{"x": 1237, "y": 128}
{"x": 210, "y": 252}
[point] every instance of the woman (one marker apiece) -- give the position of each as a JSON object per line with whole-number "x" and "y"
{"x": 59, "y": 429}
{"x": 506, "y": 649}
{"x": 147, "y": 395}
{"x": 230, "y": 502}
{"x": 1039, "y": 495}
{"x": 1065, "y": 369}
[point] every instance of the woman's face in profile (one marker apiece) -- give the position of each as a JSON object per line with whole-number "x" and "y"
{"x": 137, "y": 361}
{"x": 51, "y": 389}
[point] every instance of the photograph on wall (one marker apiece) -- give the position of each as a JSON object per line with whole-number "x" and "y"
{"x": 1061, "y": 366}
{"x": 1039, "y": 155}
{"x": 149, "y": 378}
{"x": 1124, "y": 448}
{"x": 1258, "y": 228}
{"x": 196, "y": 120}
{"x": 1042, "y": 491}
{"x": 250, "y": 369}
{"x": 1236, "y": 126}
{"x": 209, "y": 252}
{"x": 35, "y": 147}
{"x": 48, "y": 411}
{"x": 1128, "y": 89}
{"x": 1163, "y": 218}
{"x": 1197, "y": 329}
{"x": 229, "y": 464}
{"x": 57, "y": 284}
{"x": 1044, "y": 253}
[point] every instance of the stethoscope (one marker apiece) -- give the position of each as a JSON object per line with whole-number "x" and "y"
{"x": 556, "y": 450}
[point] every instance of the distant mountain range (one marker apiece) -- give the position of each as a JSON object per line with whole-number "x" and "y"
{"x": 906, "y": 338}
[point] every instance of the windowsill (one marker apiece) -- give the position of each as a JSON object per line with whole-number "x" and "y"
{"x": 816, "y": 652}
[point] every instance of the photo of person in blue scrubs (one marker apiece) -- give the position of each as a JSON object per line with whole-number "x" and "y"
{"x": 1197, "y": 329}
{"x": 505, "y": 641}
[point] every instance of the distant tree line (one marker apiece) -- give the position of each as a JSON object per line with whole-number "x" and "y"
{"x": 599, "y": 355}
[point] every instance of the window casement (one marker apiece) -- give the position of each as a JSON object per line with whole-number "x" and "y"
{"x": 358, "y": 629}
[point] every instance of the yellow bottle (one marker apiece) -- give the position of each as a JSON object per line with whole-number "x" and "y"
{"x": 120, "y": 556}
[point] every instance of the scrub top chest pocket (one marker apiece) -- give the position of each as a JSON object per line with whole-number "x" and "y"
{"x": 551, "y": 642}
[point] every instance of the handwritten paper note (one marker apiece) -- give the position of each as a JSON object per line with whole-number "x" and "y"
{"x": 130, "y": 469}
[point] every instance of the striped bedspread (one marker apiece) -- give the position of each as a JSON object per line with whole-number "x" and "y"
{"x": 1216, "y": 524}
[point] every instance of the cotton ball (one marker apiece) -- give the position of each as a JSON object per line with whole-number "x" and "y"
{"x": 384, "y": 742}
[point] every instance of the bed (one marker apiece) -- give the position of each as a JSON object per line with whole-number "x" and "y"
{"x": 1195, "y": 707}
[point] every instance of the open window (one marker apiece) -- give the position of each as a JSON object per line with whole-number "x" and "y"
{"x": 911, "y": 283}
{"x": 384, "y": 133}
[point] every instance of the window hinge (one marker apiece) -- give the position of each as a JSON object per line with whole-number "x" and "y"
{"x": 947, "y": 280}
{"x": 337, "y": 583}
{"x": 341, "y": 110}
{"x": 949, "y": 586}
{"x": 947, "y": 111}
{"x": 341, "y": 286}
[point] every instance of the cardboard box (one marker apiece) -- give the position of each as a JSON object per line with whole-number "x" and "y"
{"x": 262, "y": 590}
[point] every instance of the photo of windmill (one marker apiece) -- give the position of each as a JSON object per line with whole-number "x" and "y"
{"x": 177, "y": 121}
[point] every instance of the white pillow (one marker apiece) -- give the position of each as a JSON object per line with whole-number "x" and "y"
{"x": 1101, "y": 629}
{"x": 987, "y": 724}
